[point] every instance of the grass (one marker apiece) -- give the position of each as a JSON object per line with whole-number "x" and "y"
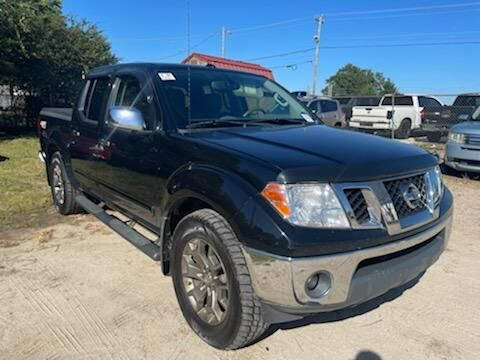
{"x": 24, "y": 193}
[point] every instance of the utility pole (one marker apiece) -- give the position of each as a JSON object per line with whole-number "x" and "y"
{"x": 224, "y": 38}
{"x": 316, "y": 39}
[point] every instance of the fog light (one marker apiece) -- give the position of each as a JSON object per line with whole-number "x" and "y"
{"x": 318, "y": 284}
{"x": 312, "y": 282}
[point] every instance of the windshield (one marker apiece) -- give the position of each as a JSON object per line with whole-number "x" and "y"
{"x": 476, "y": 114}
{"x": 219, "y": 95}
{"x": 464, "y": 100}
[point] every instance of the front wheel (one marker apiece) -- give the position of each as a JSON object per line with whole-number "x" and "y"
{"x": 212, "y": 282}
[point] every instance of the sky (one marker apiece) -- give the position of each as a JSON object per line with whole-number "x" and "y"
{"x": 353, "y": 32}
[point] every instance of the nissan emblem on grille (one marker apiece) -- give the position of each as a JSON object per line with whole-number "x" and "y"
{"x": 411, "y": 195}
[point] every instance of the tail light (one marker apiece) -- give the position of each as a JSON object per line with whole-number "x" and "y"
{"x": 37, "y": 124}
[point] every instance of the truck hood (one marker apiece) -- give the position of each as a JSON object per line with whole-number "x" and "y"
{"x": 321, "y": 153}
{"x": 467, "y": 127}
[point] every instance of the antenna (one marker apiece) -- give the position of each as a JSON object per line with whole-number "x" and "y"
{"x": 189, "y": 92}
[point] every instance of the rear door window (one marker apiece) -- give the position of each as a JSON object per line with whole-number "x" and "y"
{"x": 399, "y": 101}
{"x": 93, "y": 107}
{"x": 328, "y": 105}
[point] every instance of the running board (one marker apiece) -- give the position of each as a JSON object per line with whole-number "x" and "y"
{"x": 134, "y": 237}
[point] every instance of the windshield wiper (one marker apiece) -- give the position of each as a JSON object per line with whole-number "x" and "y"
{"x": 215, "y": 122}
{"x": 280, "y": 121}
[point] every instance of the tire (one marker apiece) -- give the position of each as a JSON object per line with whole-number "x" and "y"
{"x": 63, "y": 192}
{"x": 434, "y": 137}
{"x": 403, "y": 132}
{"x": 241, "y": 321}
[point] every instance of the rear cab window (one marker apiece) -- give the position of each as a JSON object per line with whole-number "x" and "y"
{"x": 424, "y": 101}
{"x": 399, "y": 101}
{"x": 367, "y": 101}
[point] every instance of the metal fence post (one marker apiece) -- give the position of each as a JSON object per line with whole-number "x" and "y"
{"x": 393, "y": 116}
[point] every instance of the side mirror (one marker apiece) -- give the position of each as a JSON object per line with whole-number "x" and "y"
{"x": 127, "y": 118}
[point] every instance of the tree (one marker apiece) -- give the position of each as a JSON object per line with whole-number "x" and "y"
{"x": 44, "y": 53}
{"x": 352, "y": 80}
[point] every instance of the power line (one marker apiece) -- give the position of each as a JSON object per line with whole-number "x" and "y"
{"x": 446, "y": 43}
{"x": 393, "y": 10}
{"x": 357, "y": 13}
{"x": 282, "y": 54}
{"x": 403, "y": 35}
{"x": 180, "y": 52}
{"x": 292, "y": 66}
{"x": 357, "y": 18}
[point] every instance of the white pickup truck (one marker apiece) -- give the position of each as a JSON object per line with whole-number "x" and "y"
{"x": 405, "y": 115}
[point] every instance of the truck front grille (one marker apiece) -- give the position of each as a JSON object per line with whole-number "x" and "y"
{"x": 395, "y": 190}
{"x": 359, "y": 205}
{"x": 393, "y": 204}
{"x": 473, "y": 140}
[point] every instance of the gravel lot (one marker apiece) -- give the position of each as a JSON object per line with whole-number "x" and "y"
{"x": 76, "y": 290}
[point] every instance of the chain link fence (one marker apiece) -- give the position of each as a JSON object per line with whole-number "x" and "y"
{"x": 404, "y": 115}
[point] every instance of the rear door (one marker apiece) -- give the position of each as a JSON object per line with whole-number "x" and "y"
{"x": 85, "y": 150}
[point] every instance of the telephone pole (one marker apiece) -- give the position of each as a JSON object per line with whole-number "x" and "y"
{"x": 224, "y": 38}
{"x": 316, "y": 39}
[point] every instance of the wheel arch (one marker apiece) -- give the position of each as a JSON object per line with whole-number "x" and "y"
{"x": 199, "y": 187}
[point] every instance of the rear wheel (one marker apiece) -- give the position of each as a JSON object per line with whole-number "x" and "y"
{"x": 403, "y": 132}
{"x": 212, "y": 282}
{"x": 434, "y": 137}
{"x": 63, "y": 192}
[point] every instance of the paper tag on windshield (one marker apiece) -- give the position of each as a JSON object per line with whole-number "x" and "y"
{"x": 166, "y": 76}
{"x": 307, "y": 118}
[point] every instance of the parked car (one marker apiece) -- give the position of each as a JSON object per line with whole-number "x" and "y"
{"x": 326, "y": 109}
{"x": 463, "y": 146}
{"x": 406, "y": 115}
{"x": 260, "y": 214}
{"x": 300, "y": 94}
{"x": 347, "y": 103}
{"x": 439, "y": 119}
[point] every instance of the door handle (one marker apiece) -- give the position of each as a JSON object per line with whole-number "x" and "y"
{"x": 104, "y": 143}
{"x": 76, "y": 133}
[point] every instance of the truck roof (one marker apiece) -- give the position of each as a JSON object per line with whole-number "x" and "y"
{"x": 107, "y": 69}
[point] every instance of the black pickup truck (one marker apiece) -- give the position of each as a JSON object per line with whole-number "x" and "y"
{"x": 439, "y": 119}
{"x": 259, "y": 212}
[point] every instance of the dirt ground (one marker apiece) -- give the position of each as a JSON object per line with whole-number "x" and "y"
{"x": 76, "y": 290}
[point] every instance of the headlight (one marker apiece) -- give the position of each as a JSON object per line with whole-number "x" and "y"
{"x": 311, "y": 205}
{"x": 436, "y": 184}
{"x": 456, "y": 137}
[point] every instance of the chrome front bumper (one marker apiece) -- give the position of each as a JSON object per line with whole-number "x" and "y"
{"x": 280, "y": 281}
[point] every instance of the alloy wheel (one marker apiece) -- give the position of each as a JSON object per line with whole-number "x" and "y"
{"x": 205, "y": 281}
{"x": 58, "y": 185}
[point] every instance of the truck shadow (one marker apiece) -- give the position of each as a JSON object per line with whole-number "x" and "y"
{"x": 343, "y": 314}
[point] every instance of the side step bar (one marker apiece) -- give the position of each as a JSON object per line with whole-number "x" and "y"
{"x": 138, "y": 240}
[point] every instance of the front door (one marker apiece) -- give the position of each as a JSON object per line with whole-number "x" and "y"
{"x": 130, "y": 165}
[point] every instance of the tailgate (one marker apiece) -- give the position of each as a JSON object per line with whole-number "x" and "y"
{"x": 369, "y": 114}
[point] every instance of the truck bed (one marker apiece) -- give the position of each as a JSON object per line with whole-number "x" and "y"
{"x": 57, "y": 113}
